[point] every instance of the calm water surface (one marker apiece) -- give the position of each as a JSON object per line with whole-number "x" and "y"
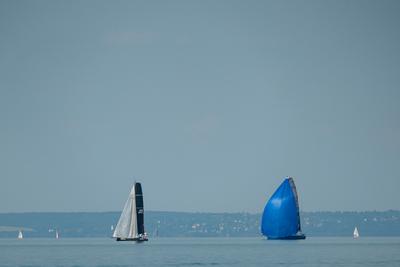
{"x": 201, "y": 252}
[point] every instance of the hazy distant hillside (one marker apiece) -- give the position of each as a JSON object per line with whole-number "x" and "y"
{"x": 185, "y": 224}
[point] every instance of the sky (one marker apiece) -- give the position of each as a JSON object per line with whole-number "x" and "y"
{"x": 209, "y": 104}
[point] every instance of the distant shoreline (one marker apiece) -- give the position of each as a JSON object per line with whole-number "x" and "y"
{"x": 195, "y": 224}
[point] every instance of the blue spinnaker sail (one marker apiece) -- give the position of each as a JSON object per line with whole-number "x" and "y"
{"x": 281, "y": 219}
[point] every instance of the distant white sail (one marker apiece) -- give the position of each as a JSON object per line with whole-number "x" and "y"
{"x": 112, "y": 227}
{"x": 355, "y": 233}
{"x": 20, "y": 235}
{"x": 127, "y": 224}
{"x": 57, "y": 236}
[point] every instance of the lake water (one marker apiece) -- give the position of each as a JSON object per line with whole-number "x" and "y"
{"x": 181, "y": 252}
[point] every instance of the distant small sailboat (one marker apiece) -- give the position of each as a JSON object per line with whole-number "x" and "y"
{"x": 281, "y": 217}
{"x": 355, "y": 233}
{"x": 130, "y": 226}
{"x": 20, "y": 235}
{"x": 57, "y": 235}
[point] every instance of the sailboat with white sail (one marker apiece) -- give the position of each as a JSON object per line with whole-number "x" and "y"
{"x": 57, "y": 235}
{"x": 355, "y": 233}
{"x": 130, "y": 226}
{"x": 20, "y": 235}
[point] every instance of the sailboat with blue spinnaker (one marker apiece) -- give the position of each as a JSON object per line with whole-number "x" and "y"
{"x": 281, "y": 217}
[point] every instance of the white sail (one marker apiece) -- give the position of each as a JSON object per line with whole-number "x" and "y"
{"x": 355, "y": 233}
{"x": 57, "y": 236}
{"x": 20, "y": 236}
{"x": 127, "y": 224}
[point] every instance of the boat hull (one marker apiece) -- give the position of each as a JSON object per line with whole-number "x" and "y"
{"x": 137, "y": 239}
{"x": 293, "y": 237}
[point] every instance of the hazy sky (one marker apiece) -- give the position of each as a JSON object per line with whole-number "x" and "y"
{"x": 210, "y": 104}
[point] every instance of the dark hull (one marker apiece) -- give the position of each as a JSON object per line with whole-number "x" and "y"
{"x": 132, "y": 239}
{"x": 293, "y": 237}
